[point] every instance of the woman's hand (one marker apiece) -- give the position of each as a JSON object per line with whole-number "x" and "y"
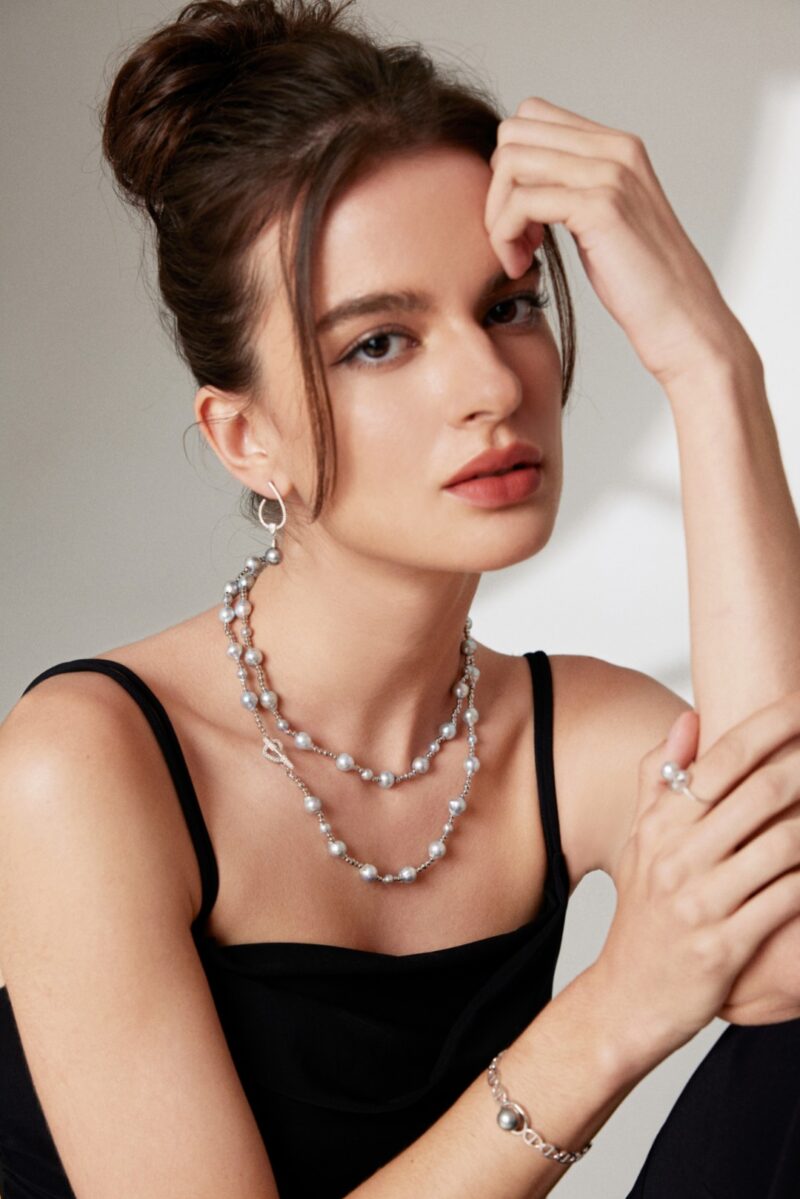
{"x": 552, "y": 165}
{"x": 701, "y": 888}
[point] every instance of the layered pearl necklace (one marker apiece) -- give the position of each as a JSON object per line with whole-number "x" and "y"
{"x": 236, "y": 605}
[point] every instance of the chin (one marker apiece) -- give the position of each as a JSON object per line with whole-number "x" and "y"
{"x": 497, "y": 556}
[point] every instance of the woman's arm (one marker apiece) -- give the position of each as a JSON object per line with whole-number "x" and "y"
{"x": 664, "y": 971}
{"x": 570, "y": 1068}
{"x": 117, "y": 1022}
{"x": 742, "y": 533}
{"x": 742, "y": 540}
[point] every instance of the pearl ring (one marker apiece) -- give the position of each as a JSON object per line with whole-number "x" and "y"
{"x": 679, "y": 779}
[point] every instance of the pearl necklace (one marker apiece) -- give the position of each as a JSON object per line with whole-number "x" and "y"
{"x": 246, "y": 655}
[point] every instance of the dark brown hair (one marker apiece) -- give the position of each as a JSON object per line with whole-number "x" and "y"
{"x": 228, "y": 116}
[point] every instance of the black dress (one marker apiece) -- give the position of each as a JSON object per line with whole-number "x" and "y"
{"x": 368, "y": 1049}
{"x": 375, "y": 1047}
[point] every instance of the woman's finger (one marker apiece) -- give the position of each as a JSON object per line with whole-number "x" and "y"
{"x": 770, "y": 909}
{"x": 765, "y": 796}
{"x": 737, "y": 753}
{"x": 590, "y": 143}
{"x": 740, "y": 876}
{"x": 578, "y": 209}
{"x": 541, "y": 109}
{"x": 680, "y": 746}
{"x": 529, "y": 165}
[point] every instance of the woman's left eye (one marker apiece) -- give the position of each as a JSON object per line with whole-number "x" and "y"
{"x": 377, "y": 340}
{"x": 537, "y": 299}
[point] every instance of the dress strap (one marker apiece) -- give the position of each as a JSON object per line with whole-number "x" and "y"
{"x": 542, "y": 683}
{"x": 167, "y": 739}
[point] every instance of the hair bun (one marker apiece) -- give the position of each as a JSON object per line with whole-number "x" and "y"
{"x": 177, "y": 73}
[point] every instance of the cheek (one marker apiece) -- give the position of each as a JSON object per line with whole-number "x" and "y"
{"x": 380, "y": 431}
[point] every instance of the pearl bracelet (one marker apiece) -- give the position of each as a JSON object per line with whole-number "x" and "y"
{"x": 512, "y": 1117}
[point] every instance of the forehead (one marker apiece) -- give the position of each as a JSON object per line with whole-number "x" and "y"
{"x": 398, "y": 224}
{"x": 408, "y": 214}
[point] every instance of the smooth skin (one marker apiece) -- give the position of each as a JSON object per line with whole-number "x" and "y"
{"x": 394, "y": 563}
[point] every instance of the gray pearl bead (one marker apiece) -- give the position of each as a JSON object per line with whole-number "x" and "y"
{"x": 669, "y": 770}
{"x": 468, "y": 646}
{"x": 472, "y": 764}
{"x": 468, "y": 623}
{"x": 434, "y": 747}
{"x": 249, "y": 700}
{"x": 253, "y": 656}
{"x": 472, "y": 716}
{"x": 231, "y": 588}
{"x": 460, "y": 690}
{"x": 508, "y": 1118}
{"x": 312, "y": 804}
{"x": 437, "y": 849}
{"x": 242, "y": 673}
{"x": 337, "y": 848}
{"x": 474, "y": 672}
{"x": 268, "y": 699}
{"x": 324, "y": 827}
{"x": 420, "y": 765}
{"x": 368, "y": 872}
{"x": 273, "y": 555}
{"x": 344, "y": 762}
{"x": 283, "y": 724}
{"x": 367, "y": 774}
{"x": 448, "y": 731}
{"x": 234, "y": 650}
{"x": 457, "y": 805}
{"x": 245, "y": 582}
{"x": 226, "y": 614}
{"x": 386, "y": 779}
{"x": 242, "y": 608}
{"x": 302, "y": 740}
{"x": 408, "y": 874}
{"x": 253, "y": 565}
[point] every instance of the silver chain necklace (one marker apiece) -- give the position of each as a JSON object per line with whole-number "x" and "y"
{"x": 237, "y": 605}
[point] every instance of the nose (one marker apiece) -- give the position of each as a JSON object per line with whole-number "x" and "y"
{"x": 481, "y": 385}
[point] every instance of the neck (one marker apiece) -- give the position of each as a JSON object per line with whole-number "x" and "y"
{"x": 362, "y": 655}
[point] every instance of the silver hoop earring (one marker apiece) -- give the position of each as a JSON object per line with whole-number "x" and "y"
{"x": 273, "y": 555}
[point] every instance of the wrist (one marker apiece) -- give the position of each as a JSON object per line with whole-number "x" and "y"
{"x": 631, "y": 1042}
{"x": 716, "y": 368}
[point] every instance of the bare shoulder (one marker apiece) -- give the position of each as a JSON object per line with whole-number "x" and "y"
{"x": 98, "y": 957}
{"x": 84, "y": 787}
{"x": 606, "y": 717}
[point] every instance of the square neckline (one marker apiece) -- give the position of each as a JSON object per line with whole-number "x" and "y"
{"x": 556, "y": 883}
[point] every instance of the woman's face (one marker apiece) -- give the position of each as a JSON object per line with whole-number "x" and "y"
{"x": 418, "y": 390}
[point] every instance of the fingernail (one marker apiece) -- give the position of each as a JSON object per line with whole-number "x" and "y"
{"x": 672, "y": 734}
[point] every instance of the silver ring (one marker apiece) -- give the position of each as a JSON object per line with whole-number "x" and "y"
{"x": 678, "y": 779}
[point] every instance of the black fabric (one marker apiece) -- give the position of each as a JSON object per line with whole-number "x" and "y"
{"x": 734, "y": 1132}
{"x": 346, "y": 1056}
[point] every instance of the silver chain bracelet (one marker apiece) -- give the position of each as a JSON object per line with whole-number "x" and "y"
{"x": 512, "y": 1117}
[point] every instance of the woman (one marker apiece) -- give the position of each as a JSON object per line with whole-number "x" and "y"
{"x": 214, "y": 996}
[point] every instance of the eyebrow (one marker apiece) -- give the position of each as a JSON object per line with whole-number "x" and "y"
{"x": 406, "y": 301}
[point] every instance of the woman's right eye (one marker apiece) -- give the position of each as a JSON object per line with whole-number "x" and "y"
{"x": 375, "y": 342}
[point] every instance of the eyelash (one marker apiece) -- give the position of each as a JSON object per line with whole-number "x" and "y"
{"x": 538, "y": 299}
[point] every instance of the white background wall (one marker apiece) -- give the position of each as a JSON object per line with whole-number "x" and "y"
{"x": 112, "y": 529}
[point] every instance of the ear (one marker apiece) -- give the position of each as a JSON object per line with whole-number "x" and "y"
{"x": 244, "y": 439}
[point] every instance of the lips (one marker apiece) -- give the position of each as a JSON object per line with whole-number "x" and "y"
{"x": 497, "y": 461}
